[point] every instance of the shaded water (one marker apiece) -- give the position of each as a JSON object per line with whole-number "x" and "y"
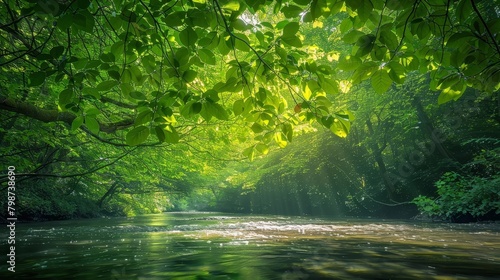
{"x": 221, "y": 246}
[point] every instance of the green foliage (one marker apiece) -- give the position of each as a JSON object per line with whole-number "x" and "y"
{"x": 459, "y": 195}
{"x": 52, "y": 200}
{"x": 167, "y": 57}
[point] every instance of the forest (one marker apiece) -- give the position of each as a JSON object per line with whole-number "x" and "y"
{"x": 337, "y": 108}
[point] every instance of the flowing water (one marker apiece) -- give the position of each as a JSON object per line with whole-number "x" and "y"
{"x": 222, "y": 246}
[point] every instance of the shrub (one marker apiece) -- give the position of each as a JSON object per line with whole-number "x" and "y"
{"x": 460, "y": 196}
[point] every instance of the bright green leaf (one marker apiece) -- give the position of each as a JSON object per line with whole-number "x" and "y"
{"x": 381, "y": 81}
{"x": 92, "y": 124}
{"x": 262, "y": 148}
{"x": 249, "y": 153}
{"x": 76, "y": 123}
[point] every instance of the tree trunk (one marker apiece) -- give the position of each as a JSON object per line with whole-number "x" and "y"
{"x": 377, "y": 153}
{"x": 428, "y": 128}
{"x": 111, "y": 191}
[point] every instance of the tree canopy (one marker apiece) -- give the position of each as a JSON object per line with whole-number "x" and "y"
{"x": 163, "y": 67}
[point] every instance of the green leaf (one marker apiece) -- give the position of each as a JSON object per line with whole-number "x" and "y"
{"x": 452, "y": 89}
{"x": 389, "y": 39}
{"x": 291, "y": 11}
{"x": 338, "y": 128}
{"x": 293, "y": 41}
{"x": 330, "y": 86}
{"x": 106, "y": 85}
{"x": 287, "y": 131}
{"x": 83, "y": 4}
{"x": 76, "y": 123}
{"x": 114, "y": 74}
{"x": 365, "y": 44}
{"x": 291, "y": 29}
{"x": 397, "y": 72}
{"x": 280, "y": 139}
{"x": 307, "y": 93}
{"x": 84, "y": 20}
{"x": 149, "y": 63}
{"x": 381, "y": 81}
{"x": 159, "y": 131}
{"x": 238, "y": 107}
{"x": 64, "y": 21}
{"x": 107, "y": 57}
{"x": 171, "y": 135}
{"x": 364, "y": 10}
{"x": 352, "y": 36}
{"x": 232, "y": 6}
{"x": 57, "y": 51}
{"x": 211, "y": 95}
{"x": 240, "y": 44}
{"x": 459, "y": 39}
{"x": 257, "y": 128}
{"x": 302, "y": 2}
{"x": 379, "y": 52}
{"x": 117, "y": 49}
{"x": 137, "y": 95}
{"x": 137, "y": 135}
{"x": 223, "y": 46}
{"x": 37, "y": 78}
{"x": 135, "y": 73}
{"x": 144, "y": 117}
{"x": 262, "y": 148}
{"x": 423, "y": 30}
{"x": 249, "y": 153}
{"x": 207, "y": 56}
{"x": 189, "y": 75}
{"x": 92, "y": 112}
{"x": 345, "y": 26}
{"x": 349, "y": 63}
{"x": 219, "y": 112}
{"x": 92, "y": 124}
{"x": 463, "y": 10}
{"x": 261, "y": 94}
{"x": 174, "y": 19}
{"x": 196, "y": 108}
{"x": 66, "y": 96}
{"x": 364, "y": 71}
{"x": 188, "y": 37}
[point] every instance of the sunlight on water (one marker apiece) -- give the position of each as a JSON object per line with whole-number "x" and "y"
{"x": 212, "y": 246}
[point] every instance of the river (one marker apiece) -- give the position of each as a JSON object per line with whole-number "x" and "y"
{"x": 224, "y": 246}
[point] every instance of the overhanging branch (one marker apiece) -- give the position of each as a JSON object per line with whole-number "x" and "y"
{"x": 49, "y": 115}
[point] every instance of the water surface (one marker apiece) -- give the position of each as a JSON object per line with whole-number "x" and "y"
{"x": 222, "y": 246}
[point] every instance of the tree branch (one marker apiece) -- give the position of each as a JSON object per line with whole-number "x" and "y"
{"x": 476, "y": 10}
{"x": 30, "y": 175}
{"x": 48, "y": 115}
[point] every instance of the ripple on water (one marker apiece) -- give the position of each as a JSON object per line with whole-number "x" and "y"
{"x": 292, "y": 246}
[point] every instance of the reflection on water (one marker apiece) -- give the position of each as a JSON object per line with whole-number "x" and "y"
{"x": 215, "y": 246}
